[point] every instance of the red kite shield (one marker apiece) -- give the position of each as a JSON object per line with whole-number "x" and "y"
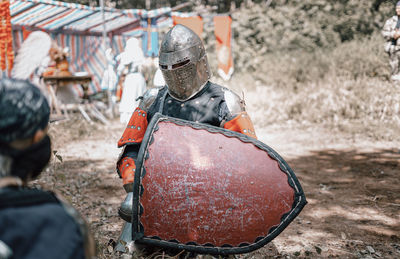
{"x": 210, "y": 190}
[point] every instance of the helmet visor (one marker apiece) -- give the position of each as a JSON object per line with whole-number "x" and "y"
{"x": 181, "y": 79}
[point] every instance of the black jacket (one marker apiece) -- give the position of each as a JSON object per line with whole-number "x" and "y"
{"x": 35, "y": 224}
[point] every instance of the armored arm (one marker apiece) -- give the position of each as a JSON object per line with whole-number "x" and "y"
{"x": 235, "y": 115}
{"x": 132, "y": 138}
{"x": 126, "y": 165}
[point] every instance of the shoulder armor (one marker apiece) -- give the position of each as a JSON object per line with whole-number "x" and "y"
{"x": 148, "y": 98}
{"x": 234, "y": 103}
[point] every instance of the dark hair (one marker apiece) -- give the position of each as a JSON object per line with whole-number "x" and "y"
{"x": 23, "y": 109}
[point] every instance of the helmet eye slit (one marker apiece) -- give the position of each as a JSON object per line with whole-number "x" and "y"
{"x": 180, "y": 64}
{"x": 177, "y": 65}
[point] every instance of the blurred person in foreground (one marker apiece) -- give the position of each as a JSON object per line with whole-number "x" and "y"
{"x": 34, "y": 223}
{"x": 188, "y": 94}
{"x": 391, "y": 33}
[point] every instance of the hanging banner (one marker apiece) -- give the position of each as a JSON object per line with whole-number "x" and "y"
{"x": 150, "y": 37}
{"x": 6, "y": 44}
{"x": 195, "y": 23}
{"x": 223, "y": 35}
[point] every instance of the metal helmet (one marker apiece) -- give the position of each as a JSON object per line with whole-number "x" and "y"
{"x": 183, "y": 63}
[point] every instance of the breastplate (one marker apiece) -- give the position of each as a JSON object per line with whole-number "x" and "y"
{"x": 203, "y": 107}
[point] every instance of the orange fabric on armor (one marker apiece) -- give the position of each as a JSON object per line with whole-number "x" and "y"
{"x": 242, "y": 124}
{"x": 135, "y": 129}
{"x": 127, "y": 169}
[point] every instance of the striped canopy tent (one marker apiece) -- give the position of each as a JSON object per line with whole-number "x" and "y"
{"x": 80, "y": 28}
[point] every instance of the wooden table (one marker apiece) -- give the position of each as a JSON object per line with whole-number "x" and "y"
{"x": 54, "y": 82}
{"x": 84, "y": 107}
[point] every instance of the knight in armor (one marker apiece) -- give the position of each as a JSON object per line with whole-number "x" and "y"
{"x": 34, "y": 223}
{"x": 391, "y": 33}
{"x": 188, "y": 94}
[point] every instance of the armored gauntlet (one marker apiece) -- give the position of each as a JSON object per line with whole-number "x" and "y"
{"x": 127, "y": 172}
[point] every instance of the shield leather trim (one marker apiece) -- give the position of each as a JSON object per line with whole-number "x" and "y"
{"x": 299, "y": 200}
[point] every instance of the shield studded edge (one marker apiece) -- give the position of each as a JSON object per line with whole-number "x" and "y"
{"x": 209, "y": 190}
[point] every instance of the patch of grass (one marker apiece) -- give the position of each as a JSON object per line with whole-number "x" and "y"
{"x": 332, "y": 86}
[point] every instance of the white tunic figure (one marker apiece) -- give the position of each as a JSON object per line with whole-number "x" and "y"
{"x": 109, "y": 80}
{"x": 33, "y": 58}
{"x": 134, "y": 85}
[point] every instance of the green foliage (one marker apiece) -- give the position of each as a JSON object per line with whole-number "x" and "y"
{"x": 304, "y": 26}
{"x": 348, "y": 82}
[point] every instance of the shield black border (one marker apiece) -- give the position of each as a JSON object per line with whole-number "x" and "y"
{"x": 140, "y": 172}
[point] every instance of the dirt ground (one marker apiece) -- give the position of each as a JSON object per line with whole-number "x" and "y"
{"x": 350, "y": 179}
